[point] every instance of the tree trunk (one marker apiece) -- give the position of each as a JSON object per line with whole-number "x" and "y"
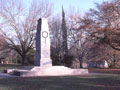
{"x": 24, "y": 61}
{"x": 80, "y": 58}
{"x": 81, "y": 64}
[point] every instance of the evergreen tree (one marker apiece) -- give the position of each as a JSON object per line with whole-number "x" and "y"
{"x": 64, "y": 36}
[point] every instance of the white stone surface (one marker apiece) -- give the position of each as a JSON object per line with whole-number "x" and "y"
{"x": 51, "y": 71}
{"x": 43, "y": 44}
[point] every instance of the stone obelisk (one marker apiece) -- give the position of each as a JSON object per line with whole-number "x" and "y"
{"x": 42, "y": 57}
{"x": 43, "y": 63}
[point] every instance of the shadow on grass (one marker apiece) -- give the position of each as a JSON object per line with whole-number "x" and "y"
{"x": 86, "y": 82}
{"x": 83, "y": 82}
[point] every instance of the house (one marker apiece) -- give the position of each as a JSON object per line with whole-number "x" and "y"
{"x": 3, "y": 60}
{"x": 97, "y": 64}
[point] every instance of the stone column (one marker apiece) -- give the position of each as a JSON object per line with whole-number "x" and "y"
{"x": 42, "y": 57}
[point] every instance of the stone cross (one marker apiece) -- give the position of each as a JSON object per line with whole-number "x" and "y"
{"x": 42, "y": 57}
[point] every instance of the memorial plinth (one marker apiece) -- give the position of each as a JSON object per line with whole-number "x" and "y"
{"x": 43, "y": 63}
{"x": 50, "y": 71}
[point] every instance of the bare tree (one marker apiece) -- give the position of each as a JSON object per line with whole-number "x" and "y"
{"x": 102, "y": 25}
{"x": 19, "y": 24}
{"x": 77, "y": 35}
{"x": 106, "y": 25}
{"x": 56, "y": 39}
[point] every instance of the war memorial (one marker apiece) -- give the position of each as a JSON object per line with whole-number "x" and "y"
{"x": 43, "y": 63}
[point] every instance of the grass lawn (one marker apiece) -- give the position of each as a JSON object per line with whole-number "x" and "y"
{"x": 83, "y": 82}
{"x": 86, "y": 82}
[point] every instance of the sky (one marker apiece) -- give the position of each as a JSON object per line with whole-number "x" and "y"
{"x": 82, "y": 5}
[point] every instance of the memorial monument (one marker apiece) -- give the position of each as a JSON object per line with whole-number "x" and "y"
{"x": 42, "y": 57}
{"x": 43, "y": 63}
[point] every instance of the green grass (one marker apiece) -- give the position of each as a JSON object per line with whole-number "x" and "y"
{"x": 83, "y": 82}
{"x": 86, "y": 82}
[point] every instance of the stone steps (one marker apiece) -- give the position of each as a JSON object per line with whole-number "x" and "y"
{"x": 49, "y": 71}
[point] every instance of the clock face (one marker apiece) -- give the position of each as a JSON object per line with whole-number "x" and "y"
{"x": 44, "y": 34}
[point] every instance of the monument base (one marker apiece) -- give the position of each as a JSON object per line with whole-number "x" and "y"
{"x": 49, "y": 71}
{"x": 45, "y": 62}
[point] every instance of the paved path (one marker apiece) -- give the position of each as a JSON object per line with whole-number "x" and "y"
{"x": 4, "y": 75}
